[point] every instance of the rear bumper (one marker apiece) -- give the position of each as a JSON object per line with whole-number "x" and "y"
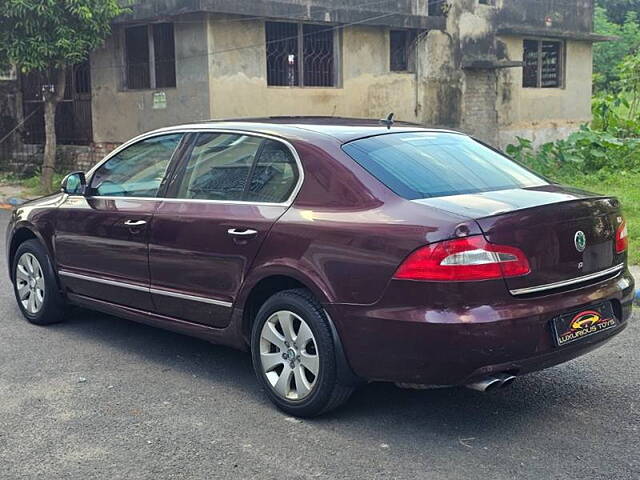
{"x": 423, "y": 339}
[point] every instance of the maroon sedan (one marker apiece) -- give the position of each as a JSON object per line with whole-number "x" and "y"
{"x": 336, "y": 251}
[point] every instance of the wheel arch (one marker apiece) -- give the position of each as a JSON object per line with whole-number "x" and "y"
{"x": 22, "y": 232}
{"x": 261, "y": 287}
{"x": 20, "y": 235}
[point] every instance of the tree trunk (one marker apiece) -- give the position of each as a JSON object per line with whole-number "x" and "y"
{"x": 51, "y": 100}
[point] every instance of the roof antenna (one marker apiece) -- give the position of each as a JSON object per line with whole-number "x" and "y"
{"x": 388, "y": 122}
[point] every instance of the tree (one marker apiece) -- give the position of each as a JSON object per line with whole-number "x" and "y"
{"x": 48, "y": 36}
{"x": 617, "y": 10}
{"x": 607, "y": 55}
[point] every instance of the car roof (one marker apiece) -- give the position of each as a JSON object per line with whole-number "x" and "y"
{"x": 342, "y": 129}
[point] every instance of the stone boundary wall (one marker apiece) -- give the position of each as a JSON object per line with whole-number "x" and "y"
{"x": 25, "y": 160}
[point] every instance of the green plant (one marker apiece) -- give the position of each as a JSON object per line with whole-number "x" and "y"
{"x": 608, "y": 55}
{"x": 48, "y": 36}
{"x": 617, "y": 10}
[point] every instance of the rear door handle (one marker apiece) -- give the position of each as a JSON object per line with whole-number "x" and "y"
{"x": 242, "y": 232}
{"x": 135, "y": 223}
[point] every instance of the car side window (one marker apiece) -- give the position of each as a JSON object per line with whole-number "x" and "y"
{"x": 138, "y": 170}
{"x": 274, "y": 176}
{"x": 218, "y": 167}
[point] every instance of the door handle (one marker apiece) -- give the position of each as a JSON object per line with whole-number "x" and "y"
{"x": 135, "y": 223}
{"x": 242, "y": 232}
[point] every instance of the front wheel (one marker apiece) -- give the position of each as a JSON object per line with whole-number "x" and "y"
{"x": 294, "y": 355}
{"x": 35, "y": 286}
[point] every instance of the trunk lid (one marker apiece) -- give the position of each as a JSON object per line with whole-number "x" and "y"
{"x": 544, "y": 223}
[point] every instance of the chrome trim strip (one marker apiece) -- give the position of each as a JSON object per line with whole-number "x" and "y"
{"x": 566, "y": 283}
{"x": 104, "y": 281}
{"x": 189, "y": 200}
{"x": 194, "y": 298}
{"x": 140, "y": 288}
{"x": 202, "y": 129}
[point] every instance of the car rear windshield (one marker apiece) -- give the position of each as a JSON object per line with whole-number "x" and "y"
{"x": 432, "y": 164}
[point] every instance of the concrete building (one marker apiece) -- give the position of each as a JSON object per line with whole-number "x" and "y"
{"x": 494, "y": 68}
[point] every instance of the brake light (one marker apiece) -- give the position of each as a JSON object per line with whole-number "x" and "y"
{"x": 622, "y": 238}
{"x": 463, "y": 259}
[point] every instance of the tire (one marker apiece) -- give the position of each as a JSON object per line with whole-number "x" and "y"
{"x": 35, "y": 285}
{"x": 297, "y": 391}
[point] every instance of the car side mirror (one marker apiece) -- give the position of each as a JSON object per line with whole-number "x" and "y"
{"x": 74, "y": 184}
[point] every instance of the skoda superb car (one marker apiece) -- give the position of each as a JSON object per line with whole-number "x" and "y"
{"x": 335, "y": 251}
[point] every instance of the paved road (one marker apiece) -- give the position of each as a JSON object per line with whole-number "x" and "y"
{"x": 100, "y": 397}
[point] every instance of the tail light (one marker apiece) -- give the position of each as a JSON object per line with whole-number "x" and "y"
{"x": 622, "y": 238}
{"x": 463, "y": 259}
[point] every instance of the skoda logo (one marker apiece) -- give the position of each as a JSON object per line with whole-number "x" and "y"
{"x": 580, "y": 240}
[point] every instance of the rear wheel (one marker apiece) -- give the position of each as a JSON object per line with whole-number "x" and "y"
{"x": 35, "y": 286}
{"x": 294, "y": 355}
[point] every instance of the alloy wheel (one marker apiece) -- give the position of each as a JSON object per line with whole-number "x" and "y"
{"x": 30, "y": 283}
{"x": 289, "y": 355}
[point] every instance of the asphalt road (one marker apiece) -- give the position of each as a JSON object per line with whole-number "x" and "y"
{"x": 101, "y": 397}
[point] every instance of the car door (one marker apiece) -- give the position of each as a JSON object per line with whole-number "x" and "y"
{"x": 101, "y": 239}
{"x": 228, "y": 191}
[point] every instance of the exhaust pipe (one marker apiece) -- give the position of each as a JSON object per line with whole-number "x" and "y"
{"x": 507, "y": 380}
{"x": 492, "y": 383}
{"x": 486, "y": 385}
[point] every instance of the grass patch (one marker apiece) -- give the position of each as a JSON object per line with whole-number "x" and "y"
{"x": 31, "y": 185}
{"x": 33, "y": 188}
{"x": 624, "y": 186}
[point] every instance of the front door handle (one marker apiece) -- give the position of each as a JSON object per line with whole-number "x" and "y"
{"x": 135, "y": 223}
{"x": 242, "y": 232}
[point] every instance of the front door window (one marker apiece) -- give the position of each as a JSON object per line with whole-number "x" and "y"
{"x": 136, "y": 171}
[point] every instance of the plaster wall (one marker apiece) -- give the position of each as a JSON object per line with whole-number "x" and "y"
{"x": 544, "y": 114}
{"x": 366, "y": 87}
{"x": 119, "y": 114}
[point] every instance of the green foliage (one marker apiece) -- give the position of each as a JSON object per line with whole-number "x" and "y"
{"x": 616, "y": 10}
{"x": 50, "y": 34}
{"x": 608, "y": 55}
{"x": 586, "y": 151}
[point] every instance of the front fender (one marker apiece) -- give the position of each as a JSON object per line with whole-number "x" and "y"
{"x": 38, "y": 219}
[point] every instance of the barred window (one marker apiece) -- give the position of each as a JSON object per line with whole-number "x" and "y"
{"x": 150, "y": 56}
{"x": 401, "y": 50}
{"x": 436, "y": 7}
{"x": 300, "y": 55}
{"x": 543, "y": 64}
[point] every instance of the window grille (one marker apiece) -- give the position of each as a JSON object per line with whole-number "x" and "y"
{"x": 401, "y": 44}
{"x": 150, "y": 56}
{"x": 543, "y": 64}
{"x": 73, "y": 112}
{"x": 300, "y": 55}
{"x": 282, "y": 54}
{"x": 137, "y": 57}
{"x": 435, "y": 8}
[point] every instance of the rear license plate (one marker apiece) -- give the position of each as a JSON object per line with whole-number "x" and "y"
{"x": 575, "y": 326}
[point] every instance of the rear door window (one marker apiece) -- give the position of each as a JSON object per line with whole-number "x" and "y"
{"x": 432, "y": 164}
{"x": 237, "y": 167}
{"x": 219, "y": 166}
{"x": 274, "y": 176}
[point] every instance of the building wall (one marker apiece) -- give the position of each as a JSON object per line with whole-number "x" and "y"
{"x": 239, "y": 80}
{"x": 480, "y": 116}
{"x": 221, "y": 73}
{"x": 119, "y": 114}
{"x": 545, "y": 114}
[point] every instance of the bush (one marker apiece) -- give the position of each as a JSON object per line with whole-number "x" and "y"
{"x": 611, "y": 144}
{"x": 585, "y": 151}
